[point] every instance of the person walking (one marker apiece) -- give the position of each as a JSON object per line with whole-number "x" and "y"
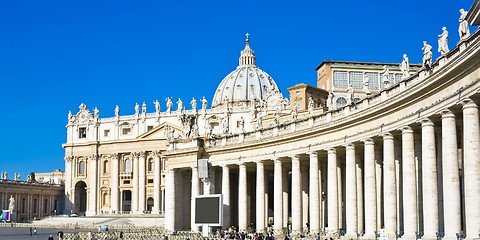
{"x": 50, "y": 238}
{"x": 35, "y": 232}
{"x": 31, "y": 231}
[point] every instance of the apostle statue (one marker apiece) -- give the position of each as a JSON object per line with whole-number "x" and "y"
{"x": 194, "y": 104}
{"x": 11, "y": 203}
{"x": 204, "y": 103}
{"x": 350, "y": 94}
{"x": 443, "y": 41}
{"x": 69, "y": 116}
{"x": 157, "y": 106}
{"x": 194, "y": 132}
{"x": 385, "y": 76}
{"x": 427, "y": 55}
{"x": 294, "y": 113}
{"x": 310, "y": 105}
{"x": 366, "y": 82}
{"x": 179, "y": 105}
{"x": 117, "y": 111}
{"x": 405, "y": 66}
{"x": 15, "y": 177}
{"x": 463, "y": 29}
{"x": 96, "y": 112}
{"x": 169, "y": 104}
{"x": 241, "y": 124}
{"x": 259, "y": 123}
{"x": 3, "y": 176}
{"x": 144, "y": 107}
{"x": 330, "y": 101}
{"x": 225, "y": 125}
{"x": 137, "y": 109}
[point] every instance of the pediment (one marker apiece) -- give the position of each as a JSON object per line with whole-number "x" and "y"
{"x": 158, "y": 132}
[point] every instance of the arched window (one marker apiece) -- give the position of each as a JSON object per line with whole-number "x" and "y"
{"x": 150, "y": 165}
{"x": 105, "y": 167}
{"x": 127, "y": 166}
{"x": 341, "y": 101}
{"x": 81, "y": 168}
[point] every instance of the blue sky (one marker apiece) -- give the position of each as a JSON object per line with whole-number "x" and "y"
{"x": 54, "y": 55}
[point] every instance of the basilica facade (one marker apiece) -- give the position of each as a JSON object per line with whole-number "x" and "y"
{"x": 403, "y": 158}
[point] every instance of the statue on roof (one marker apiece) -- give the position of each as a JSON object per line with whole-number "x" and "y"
{"x": 405, "y": 66}
{"x": 179, "y": 104}
{"x": 96, "y": 112}
{"x": 144, "y": 107}
{"x": 463, "y": 29}
{"x": 204, "y": 103}
{"x": 194, "y": 104}
{"x": 137, "y": 109}
{"x": 350, "y": 94}
{"x": 241, "y": 124}
{"x": 259, "y": 123}
{"x": 330, "y": 101}
{"x": 117, "y": 111}
{"x": 385, "y": 76}
{"x": 365, "y": 85}
{"x": 294, "y": 113}
{"x": 443, "y": 41}
{"x": 169, "y": 104}
{"x": 157, "y": 106}
{"x": 427, "y": 55}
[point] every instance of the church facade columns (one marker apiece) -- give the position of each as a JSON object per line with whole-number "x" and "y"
{"x": 332, "y": 188}
{"x": 141, "y": 182}
{"x": 195, "y": 192}
{"x": 93, "y": 168}
{"x": 314, "y": 195}
{"x": 170, "y": 203}
{"x": 370, "y": 189}
{"x": 296, "y": 191}
{"x": 471, "y": 156}
{"x": 226, "y": 195}
{"x": 260, "y": 197}
{"x": 115, "y": 183}
{"x": 389, "y": 179}
{"x": 156, "y": 182}
{"x": 351, "y": 191}
{"x": 135, "y": 182}
{"x": 409, "y": 183}
{"x": 430, "y": 186}
{"x": 451, "y": 179}
{"x": 278, "y": 196}
{"x": 242, "y": 198}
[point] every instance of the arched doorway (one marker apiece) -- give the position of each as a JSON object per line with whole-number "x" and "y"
{"x": 80, "y": 197}
{"x": 149, "y": 204}
{"x": 126, "y": 200}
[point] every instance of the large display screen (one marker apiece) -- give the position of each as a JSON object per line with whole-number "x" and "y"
{"x": 5, "y": 215}
{"x": 208, "y": 209}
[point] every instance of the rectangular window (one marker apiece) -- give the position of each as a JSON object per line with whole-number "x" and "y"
{"x": 373, "y": 80}
{"x": 398, "y": 77}
{"x": 150, "y": 180}
{"x": 340, "y": 79}
{"x": 82, "y": 132}
{"x": 356, "y": 79}
{"x": 149, "y": 128}
{"x": 35, "y": 205}
{"x": 24, "y": 201}
{"x": 391, "y": 77}
{"x": 106, "y": 132}
{"x": 45, "y": 206}
{"x": 126, "y": 131}
{"x": 126, "y": 182}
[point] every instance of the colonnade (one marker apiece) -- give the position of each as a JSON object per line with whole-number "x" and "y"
{"x": 416, "y": 180}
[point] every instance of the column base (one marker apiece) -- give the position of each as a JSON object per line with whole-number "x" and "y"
{"x": 90, "y": 213}
{"x": 154, "y": 211}
{"x": 368, "y": 236}
{"x": 409, "y": 236}
{"x": 350, "y": 235}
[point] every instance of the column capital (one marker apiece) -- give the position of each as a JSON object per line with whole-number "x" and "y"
{"x": 277, "y": 160}
{"x": 406, "y": 129}
{"x": 241, "y": 164}
{"x": 135, "y": 154}
{"x": 295, "y": 157}
{"x": 349, "y": 146}
{"x": 93, "y": 156}
{"x": 332, "y": 150}
{"x": 259, "y": 162}
{"x": 114, "y": 156}
{"x": 312, "y": 153}
{"x": 468, "y": 103}
{"x": 368, "y": 141}
{"x": 69, "y": 158}
{"x": 387, "y": 136}
{"x": 142, "y": 154}
{"x": 426, "y": 122}
{"x": 156, "y": 153}
{"x": 446, "y": 113}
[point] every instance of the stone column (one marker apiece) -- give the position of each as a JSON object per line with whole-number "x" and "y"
{"x": 141, "y": 182}
{"x": 409, "y": 183}
{"x": 370, "y": 189}
{"x": 296, "y": 196}
{"x": 170, "y": 200}
{"x": 285, "y": 183}
{"x": 471, "y": 141}
{"x": 359, "y": 180}
{"x": 314, "y": 194}
{"x": 430, "y": 186}
{"x": 351, "y": 191}
{"x": 278, "y": 196}
{"x": 389, "y": 191}
{"x": 69, "y": 175}
{"x": 226, "y": 195}
{"x": 92, "y": 210}
{"x": 305, "y": 200}
{"x": 156, "y": 183}
{"x": 260, "y": 201}
{"x": 332, "y": 191}
{"x": 115, "y": 183}
{"x": 135, "y": 182}
{"x": 451, "y": 179}
{"x": 195, "y": 192}
{"x": 242, "y": 198}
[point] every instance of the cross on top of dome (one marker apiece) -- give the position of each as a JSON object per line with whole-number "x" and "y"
{"x": 247, "y": 56}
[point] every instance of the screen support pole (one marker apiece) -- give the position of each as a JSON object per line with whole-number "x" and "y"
{"x": 205, "y": 230}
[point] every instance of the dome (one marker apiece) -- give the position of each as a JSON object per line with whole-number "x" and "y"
{"x": 246, "y": 83}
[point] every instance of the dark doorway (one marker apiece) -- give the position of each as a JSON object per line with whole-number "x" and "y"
{"x": 126, "y": 200}
{"x": 80, "y": 197}
{"x": 149, "y": 204}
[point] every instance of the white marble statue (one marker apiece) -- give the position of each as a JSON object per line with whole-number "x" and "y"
{"x": 225, "y": 125}
{"x": 169, "y": 104}
{"x": 204, "y": 103}
{"x": 385, "y": 76}
{"x": 241, "y": 124}
{"x": 137, "y": 109}
{"x": 310, "y": 104}
{"x": 117, "y": 111}
{"x": 209, "y": 131}
{"x": 366, "y": 82}
{"x": 350, "y": 94}
{"x": 18, "y": 177}
{"x": 157, "y": 106}
{"x": 463, "y": 29}
{"x": 225, "y": 102}
{"x": 330, "y": 101}
{"x": 405, "y": 67}
{"x": 11, "y": 203}
{"x": 443, "y": 41}
{"x": 194, "y": 133}
{"x": 194, "y": 104}
{"x": 277, "y": 118}
{"x": 427, "y": 55}
{"x": 69, "y": 116}
{"x": 179, "y": 105}
{"x": 15, "y": 177}
{"x": 96, "y": 112}
{"x": 3, "y": 176}
{"x": 144, "y": 107}
{"x": 294, "y": 113}
{"x": 259, "y": 123}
